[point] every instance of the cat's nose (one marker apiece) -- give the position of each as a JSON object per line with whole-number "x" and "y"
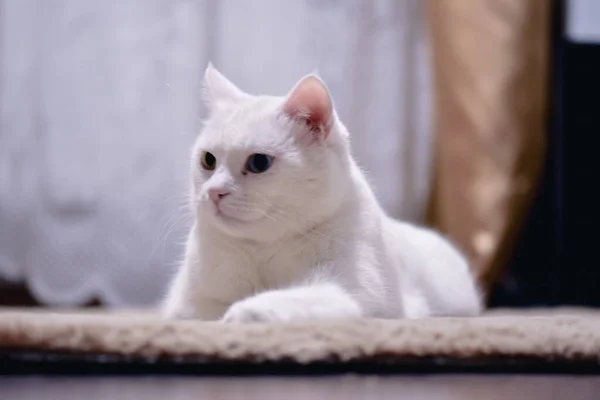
{"x": 217, "y": 194}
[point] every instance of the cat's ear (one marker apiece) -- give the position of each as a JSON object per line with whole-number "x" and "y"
{"x": 217, "y": 89}
{"x": 309, "y": 103}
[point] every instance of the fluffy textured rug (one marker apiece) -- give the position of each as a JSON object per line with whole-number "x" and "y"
{"x": 93, "y": 341}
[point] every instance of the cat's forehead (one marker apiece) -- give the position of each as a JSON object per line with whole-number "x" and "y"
{"x": 252, "y": 124}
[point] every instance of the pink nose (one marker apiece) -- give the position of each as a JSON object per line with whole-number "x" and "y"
{"x": 217, "y": 194}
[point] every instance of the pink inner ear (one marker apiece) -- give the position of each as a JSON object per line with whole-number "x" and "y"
{"x": 310, "y": 103}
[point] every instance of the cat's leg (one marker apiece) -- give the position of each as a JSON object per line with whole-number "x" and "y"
{"x": 314, "y": 301}
{"x": 185, "y": 298}
{"x": 184, "y": 302}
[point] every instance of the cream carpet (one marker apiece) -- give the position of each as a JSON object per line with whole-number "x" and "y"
{"x": 501, "y": 338}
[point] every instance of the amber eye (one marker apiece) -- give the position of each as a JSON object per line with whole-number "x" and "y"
{"x": 209, "y": 162}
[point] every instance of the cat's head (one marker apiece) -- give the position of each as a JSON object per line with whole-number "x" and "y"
{"x": 267, "y": 166}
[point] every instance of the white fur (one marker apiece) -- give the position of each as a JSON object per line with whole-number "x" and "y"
{"x": 305, "y": 240}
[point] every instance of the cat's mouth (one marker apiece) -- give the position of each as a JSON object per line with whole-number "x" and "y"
{"x": 230, "y": 218}
{"x": 233, "y": 221}
{"x": 220, "y": 215}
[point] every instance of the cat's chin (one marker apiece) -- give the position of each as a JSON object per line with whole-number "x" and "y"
{"x": 259, "y": 229}
{"x": 228, "y": 220}
{"x": 232, "y": 225}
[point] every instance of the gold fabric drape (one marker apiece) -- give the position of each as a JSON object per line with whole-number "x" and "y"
{"x": 491, "y": 74}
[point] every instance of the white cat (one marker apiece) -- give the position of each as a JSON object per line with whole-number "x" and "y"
{"x": 288, "y": 229}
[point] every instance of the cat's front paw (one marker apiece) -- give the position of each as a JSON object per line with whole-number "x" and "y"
{"x": 255, "y": 311}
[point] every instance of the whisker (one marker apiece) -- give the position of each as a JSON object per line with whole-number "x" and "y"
{"x": 310, "y": 233}
{"x": 174, "y": 219}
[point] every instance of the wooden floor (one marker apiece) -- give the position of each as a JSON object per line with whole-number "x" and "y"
{"x": 432, "y": 387}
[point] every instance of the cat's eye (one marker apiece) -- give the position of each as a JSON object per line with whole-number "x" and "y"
{"x": 208, "y": 161}
{"x": 259, "y": 163}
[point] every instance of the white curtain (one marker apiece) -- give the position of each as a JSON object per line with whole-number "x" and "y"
{"x": 99, "y": 104}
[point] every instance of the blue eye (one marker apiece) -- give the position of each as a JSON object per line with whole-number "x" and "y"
{"x": 259, "y": 163}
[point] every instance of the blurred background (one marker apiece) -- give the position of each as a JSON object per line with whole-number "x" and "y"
{"x": 457, "y": 111}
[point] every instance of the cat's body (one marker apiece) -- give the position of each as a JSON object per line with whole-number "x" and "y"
{"x": 305, "y": 239}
